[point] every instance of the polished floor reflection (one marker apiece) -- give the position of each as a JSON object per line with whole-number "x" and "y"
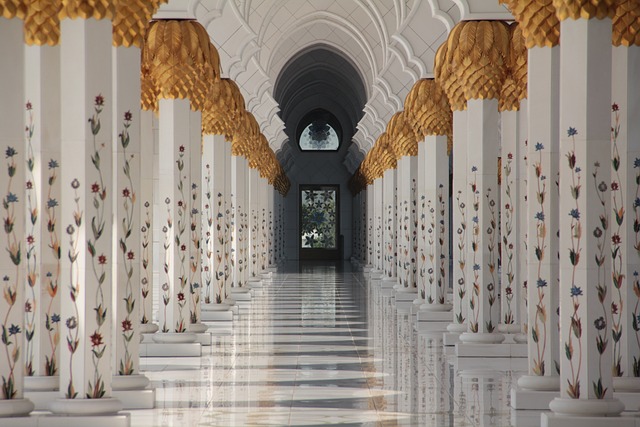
{"x": 319, "y": 346}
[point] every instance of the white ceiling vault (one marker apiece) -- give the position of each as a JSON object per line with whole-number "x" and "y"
{"x": 391, "y": 44}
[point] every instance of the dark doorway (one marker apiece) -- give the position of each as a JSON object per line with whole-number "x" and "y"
{"x": 319, "y": 209}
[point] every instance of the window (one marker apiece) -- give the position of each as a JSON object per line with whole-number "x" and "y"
{"x": 319, "y": 135}
{"x": 318, "y": 218}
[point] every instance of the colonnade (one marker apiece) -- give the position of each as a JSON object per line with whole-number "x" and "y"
{"x": 542, "y": 244}
{"x": 100, "y": 208}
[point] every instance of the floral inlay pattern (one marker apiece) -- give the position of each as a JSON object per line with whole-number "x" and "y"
{"x": 99, "y": 265}
{"x": 474, "y": 301}
{"x": 442, "y": 235}
{"x": 146, "y": 273}
{"x": 601, "y": 323}
{"x": 507, "y": 243}
{"x": 12, "y": 285}
{"x": 166, "y": 265}
{"x": 575, "y": 334}
{"x": 194, "y": 259}
{"x": 618, "y": 308}
{"x": 539, "y": 327}
{"x": 207, "y": 247}
{"x": 462, "y": 256}
{"x": 183, "y": 218}
{"x": 126, "y": 363}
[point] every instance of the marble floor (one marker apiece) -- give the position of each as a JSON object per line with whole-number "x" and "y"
{"x": 319, "y": 346}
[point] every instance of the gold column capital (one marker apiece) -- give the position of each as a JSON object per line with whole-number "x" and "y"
{"x": 402, "y": 136}
{"x": 85, "y": 9}
{"x": 538, "y": 20}
{"x": 42, "y": 22}
{"x": 131, "y": 21}
{"x": 514, "y": 88}
{"x": 477, "y": 51}
{"x": 428, "y": 109}
{"x": 177, "y": 57}
{"x": 584, "y": 9}
{"x": 446, "y": 78}
{"x": 10, "y": 9}
{"x": 626, "y": 23}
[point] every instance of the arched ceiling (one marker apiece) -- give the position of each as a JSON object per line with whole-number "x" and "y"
{"x": 390, "y": 43}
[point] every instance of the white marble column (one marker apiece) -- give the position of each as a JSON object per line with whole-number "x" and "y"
{"x": 127, "y": 249}
{"x": 407, "y": 229}
{"x": 461, "y": 224}
{"x": 369, "y": 227}
{"x": 86, "y": 214}
{"x": 174, "y": 195}
{"x": 483, "y": 214}
{"x": 585, "y": 213}
{"x": 216, "y": 291}
{"x": 263, "y": 238}
{"x": 510, "y": 218}
{"x": 239, "y": 173}
{"x": 42, "y": 253}
{"x": 271, "y": 235}
{"x": 542, "y": 220}
{"x": 625, "y": 210}
{"x": 254, "y": 223}
{"x": 378, "y": 232}
{"x": 12, "y": 265}
{"x": 389, "y": 228}
{"x": 195, "y": 222}
{"x": 435, "y": 176}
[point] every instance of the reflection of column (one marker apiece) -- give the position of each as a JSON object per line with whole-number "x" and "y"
{"x": 389, "y": 219}
{"x": 12, "y": 265}
{"x": 625, "y": 208}
{"x": 42, "y": 196}
{"x": 585, "y": 175}
{"x": 87, "y": 196}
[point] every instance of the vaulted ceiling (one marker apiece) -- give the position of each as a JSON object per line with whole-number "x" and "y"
{"x": 280, "y": 51}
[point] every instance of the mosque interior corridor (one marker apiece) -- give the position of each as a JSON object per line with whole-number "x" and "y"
{"x": 320, "y": 346}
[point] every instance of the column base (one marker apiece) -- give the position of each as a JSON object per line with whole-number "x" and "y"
{"x": 586, "y": 409}
{"x": 174, "y": 337}
{"x": 554, "y": 420}
{"x": 389, "y": 282}
{"x": 478, "y": 349}
{"x": 449, "y": 339}
{"x": 129, "y": 382}
{"x": 532, "y": 400}
{"x": 197, "y": 328}
{"x": 481, "y": 338}
{"x": 520, "y": 338}
{"x": 443, "y": 317}
{"x": 509, "y": 328}
{"x": 79, "y": 407}
{"x": 192, "y": 349}
{"x": 437, "y": 307}
{"x": 49, "y": 420}
{"x": 41, "y": 383}
{"x": 375, "y": 275}
{"x": 218, "y": 316}
{"x": 540, "y": 383}
{"x": 621, "y": 384}
{"x": 254, "y": 283}
{"x": 15, "y": 408}
{"x": 136, "y": 399}
{"x": 41, "y": 399}
{"x": 457, "y": 327}
{"x": 426, "y": 327}
{"x": 148, "y": 328}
